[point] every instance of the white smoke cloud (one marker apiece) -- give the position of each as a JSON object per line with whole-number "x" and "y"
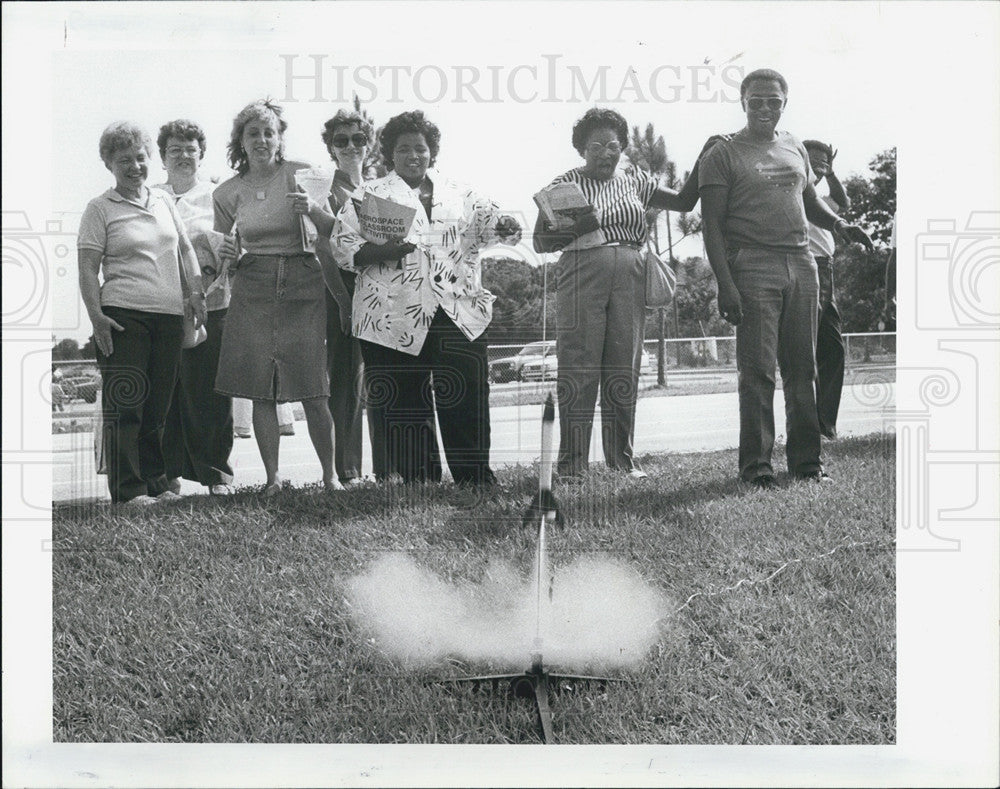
{"x": 601, "y": 614}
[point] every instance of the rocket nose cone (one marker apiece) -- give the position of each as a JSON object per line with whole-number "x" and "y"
{"x": 549, "y": 414}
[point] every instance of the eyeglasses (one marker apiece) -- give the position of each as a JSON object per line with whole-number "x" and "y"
{"x": 757, "y": 103}
{"x": 613, "y": 147}
{"x": 358, "y": 140}
{"x": 190, "y": 150}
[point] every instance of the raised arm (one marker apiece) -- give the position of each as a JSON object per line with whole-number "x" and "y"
{"x": 837, "y": 192}
{"x": 666, "y": 198}
{"x": 820, "y": 214}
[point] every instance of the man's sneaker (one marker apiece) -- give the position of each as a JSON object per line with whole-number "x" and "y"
{"x": 637, "y": 473}
{"x": 286, "y": 430}
{"x": 168, "y": 495}
{"x": 764, "y": 482}
{"x": 815, "y": 476}
{"x": 220, "y": 489}
{"x": 241, "y": 432}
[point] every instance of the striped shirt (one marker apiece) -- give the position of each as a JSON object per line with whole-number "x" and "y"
{"x": 620, "y": 202}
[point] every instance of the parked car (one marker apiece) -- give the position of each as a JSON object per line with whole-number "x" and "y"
{"x": 81, "y": 385}
{"x": 509, "y": 367}
{"x": 539, "y": 369}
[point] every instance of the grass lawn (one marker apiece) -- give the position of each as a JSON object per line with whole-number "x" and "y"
{"x": 215, "y": 620}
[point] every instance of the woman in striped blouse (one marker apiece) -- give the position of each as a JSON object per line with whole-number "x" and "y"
{"x": 601, "y": 293}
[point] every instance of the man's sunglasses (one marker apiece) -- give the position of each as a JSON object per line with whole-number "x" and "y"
{"x": 341, "y": 140}
{"x": 772, "y": 104}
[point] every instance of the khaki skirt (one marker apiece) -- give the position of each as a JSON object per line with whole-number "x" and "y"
{"x": 274, "y": 343}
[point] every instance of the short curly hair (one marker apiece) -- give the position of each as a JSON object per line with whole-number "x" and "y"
{"x": 120, "y": 135}
{"x": 183, "y": 129}
{"x": 595, "y": 118}
{"x": 760, "y": 75}
{"x": 261, "y": 110}
{"x": 347, "y": 118}
{"x": 408, "y": 123}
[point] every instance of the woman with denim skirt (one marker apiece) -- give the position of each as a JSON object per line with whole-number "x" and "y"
{"x": 273, "y": 346}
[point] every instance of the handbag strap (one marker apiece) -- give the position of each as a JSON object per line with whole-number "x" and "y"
{"x": 181, "y": 233}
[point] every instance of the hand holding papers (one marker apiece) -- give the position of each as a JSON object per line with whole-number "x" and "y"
{"x": 566, "y": 208}
{"x": 561, "y": 203}
{"x": 315, "y": 182}
{"x": 381, "y": 220}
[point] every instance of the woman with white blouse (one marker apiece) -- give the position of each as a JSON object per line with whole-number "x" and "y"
{"x": 420, "y": 309}
{"x": 198, "y": 436}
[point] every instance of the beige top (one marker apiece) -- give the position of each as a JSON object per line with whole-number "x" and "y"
{"x": 143, "y": 244}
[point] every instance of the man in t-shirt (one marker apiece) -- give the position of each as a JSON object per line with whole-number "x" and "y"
{"x": 757, "y": 200}
{"x": 829, "y": 342}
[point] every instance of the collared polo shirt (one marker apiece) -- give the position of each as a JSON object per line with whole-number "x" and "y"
{"x": 139, "y": 244}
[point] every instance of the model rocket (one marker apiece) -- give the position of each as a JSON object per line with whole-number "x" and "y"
{"x": 544, "y": 505}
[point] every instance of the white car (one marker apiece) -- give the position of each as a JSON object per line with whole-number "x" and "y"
{"x": 545, "y": 369}
{"x": 509, "y": 368}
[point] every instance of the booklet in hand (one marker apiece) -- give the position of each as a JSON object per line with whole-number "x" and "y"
{"x": 561, "y": 202}
{"x": 316, "y": 182}
{"x": 381, "y": 220}
{"x": 206, "y": 247}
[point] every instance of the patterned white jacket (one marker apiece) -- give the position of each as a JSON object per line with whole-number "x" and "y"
{"x": 393, "y": 306}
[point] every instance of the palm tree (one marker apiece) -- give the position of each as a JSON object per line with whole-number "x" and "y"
{"x": 648, "y": 152}
{"x": 373, "y": 166}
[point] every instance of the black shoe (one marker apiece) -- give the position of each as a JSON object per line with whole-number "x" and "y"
{"x": 815, "y": 476}
{"x": 764, "y": 482}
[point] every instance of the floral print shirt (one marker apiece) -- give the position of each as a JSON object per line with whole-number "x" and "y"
{"x": 394, "y": 304}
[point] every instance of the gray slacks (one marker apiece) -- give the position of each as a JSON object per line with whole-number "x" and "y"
{"x": 601, "y": 322}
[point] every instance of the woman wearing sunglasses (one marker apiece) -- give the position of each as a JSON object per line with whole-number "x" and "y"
{"x": 347, "y": 136}
{"x": 601, "y": 293}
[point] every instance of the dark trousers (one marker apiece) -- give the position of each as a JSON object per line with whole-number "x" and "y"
{"x": 449, "y": 374}
{"x": 137, "y": 382}
{"x": 780, "y": 297}
{"x": 829, "y": 353}
{"x": 345, "y": 365}
{"x": 198, "y": 437}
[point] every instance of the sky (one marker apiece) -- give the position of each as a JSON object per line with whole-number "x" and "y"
{"x": 505, "y": 91}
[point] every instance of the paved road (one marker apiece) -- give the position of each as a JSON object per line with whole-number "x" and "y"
{"x": 663, "y": 424}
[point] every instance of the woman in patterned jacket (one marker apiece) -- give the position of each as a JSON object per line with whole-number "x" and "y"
{"x": 420, "y": 309}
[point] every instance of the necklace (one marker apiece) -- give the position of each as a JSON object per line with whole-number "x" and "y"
{"x": 260, "y": 186}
